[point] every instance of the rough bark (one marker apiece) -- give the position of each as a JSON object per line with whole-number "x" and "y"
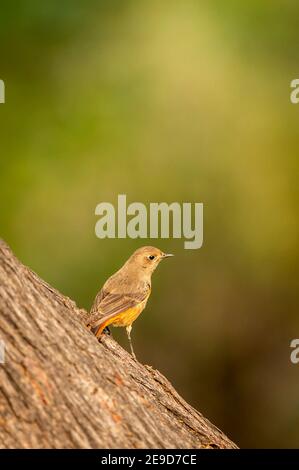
{"x": 61, "y": 388}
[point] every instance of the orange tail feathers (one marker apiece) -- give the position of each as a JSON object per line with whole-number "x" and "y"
{"x": 98, "y": 330}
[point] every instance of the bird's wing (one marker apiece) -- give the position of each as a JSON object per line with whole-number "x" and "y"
{"x": 108, "y": 304}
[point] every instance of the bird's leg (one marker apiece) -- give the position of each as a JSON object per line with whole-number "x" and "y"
{"x": 128, "y": 329}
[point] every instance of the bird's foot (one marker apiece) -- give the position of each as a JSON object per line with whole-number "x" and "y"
{"x": 107, "y": 331}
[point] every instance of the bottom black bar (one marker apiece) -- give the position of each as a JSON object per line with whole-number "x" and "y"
{"x": 139, "y": 458}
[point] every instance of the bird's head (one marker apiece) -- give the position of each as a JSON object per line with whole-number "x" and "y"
{"x": 148, "y": 257}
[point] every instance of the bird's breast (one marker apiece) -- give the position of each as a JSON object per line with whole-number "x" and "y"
{"x": 127, "y": 317}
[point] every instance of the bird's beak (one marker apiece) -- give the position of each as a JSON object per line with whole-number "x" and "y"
{"x": 166, "y": 255}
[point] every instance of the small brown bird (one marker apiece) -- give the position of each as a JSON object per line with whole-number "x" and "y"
{"x": 124, "y": 295}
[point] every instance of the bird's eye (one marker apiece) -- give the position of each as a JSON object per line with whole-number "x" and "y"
{"x": 151, "y": 257}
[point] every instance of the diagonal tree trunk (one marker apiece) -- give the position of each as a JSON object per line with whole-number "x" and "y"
{"x": 61, "y": 388}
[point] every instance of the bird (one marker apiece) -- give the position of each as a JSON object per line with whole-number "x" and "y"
{"x": 124, "y": 295}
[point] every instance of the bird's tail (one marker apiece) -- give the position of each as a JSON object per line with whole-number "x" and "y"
{"x": 99, "y": 329}
{"x": 95, "y": 330}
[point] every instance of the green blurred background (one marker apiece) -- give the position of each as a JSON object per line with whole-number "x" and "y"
{"x": 167, "y": 101}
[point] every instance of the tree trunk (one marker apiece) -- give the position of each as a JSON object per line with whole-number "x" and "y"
{"x": 61, "y": 388}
